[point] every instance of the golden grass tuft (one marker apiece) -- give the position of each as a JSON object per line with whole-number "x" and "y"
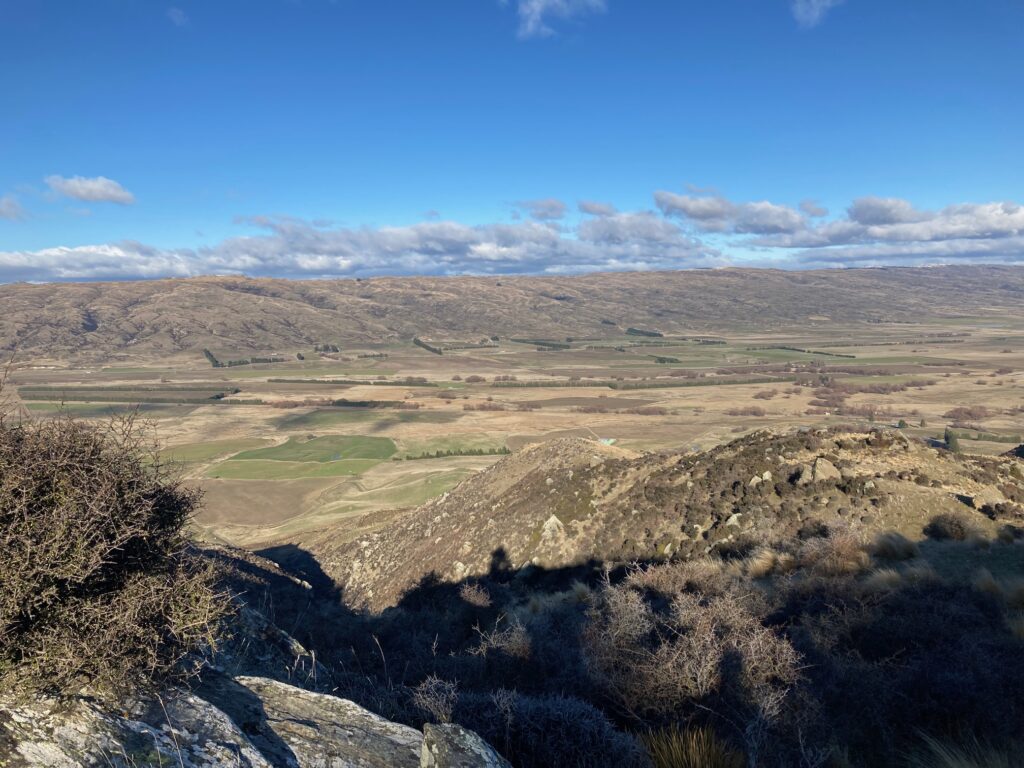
{"x": 883, "y": 580}
{"x": 674, "y": 747}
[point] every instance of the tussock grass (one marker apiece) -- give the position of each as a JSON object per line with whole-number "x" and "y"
{"x": 970, "y": 754}
{"x": 894, "y": 546}
{"x": 675, "y": 747}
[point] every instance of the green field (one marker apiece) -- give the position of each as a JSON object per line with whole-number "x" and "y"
{"x": 330, "y": 417}
{"x": 330, "y": 448}
{"x": 202, "y": 452}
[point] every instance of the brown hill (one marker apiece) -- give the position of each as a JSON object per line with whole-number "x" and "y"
{"x": 566, "y": 502}
{"x": 99, "y": 321}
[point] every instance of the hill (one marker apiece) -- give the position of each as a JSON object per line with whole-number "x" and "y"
{"x": 148, "y": 319}
{"x": 567, "y": 502}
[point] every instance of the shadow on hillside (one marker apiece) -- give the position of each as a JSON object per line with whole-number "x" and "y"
{"x": 246, "y": 709}
{"x": 881, "y": 661}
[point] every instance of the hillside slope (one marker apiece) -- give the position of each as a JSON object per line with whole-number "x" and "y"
{"x": 569, "y": 501}
{"x": 100, "y": 321}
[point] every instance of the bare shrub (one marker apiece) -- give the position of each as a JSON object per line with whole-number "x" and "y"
{"x": 100, "y": 586}
{"x": 657, "y": 664}
{"x": 968, "y": 413}
{"x": 437, "y": 698}
{"x": 673, "y": 747}
{"x": 476, "y": 595}
{"x": 513, "y": 641}
{"x": 750, "y": 410}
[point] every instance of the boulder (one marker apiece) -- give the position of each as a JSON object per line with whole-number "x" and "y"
{"x": 804, "y": 475}
{"x": 180, "y": 729}
{"x": 297, "y": 728}
{"x": 452, "y": 746}
{"x": 825, "y": 470}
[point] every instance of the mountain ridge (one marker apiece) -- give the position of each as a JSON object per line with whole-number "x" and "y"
{"x": 148, "y": 319}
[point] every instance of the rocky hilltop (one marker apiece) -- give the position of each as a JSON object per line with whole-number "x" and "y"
{"x": 570, "y": 501}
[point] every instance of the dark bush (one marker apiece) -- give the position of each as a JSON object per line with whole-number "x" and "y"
{"x": 99, "y": 585}
{"x": 949, "y": 527}
{"x": 544, "y": 731}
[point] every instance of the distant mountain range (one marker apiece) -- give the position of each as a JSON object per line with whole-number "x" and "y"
{"x": 149, "y": 319}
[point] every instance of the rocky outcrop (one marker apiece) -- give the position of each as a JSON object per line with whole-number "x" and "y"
{"x": 230, "y": 720}
{"x": 452, "y": 746}
{"x": 244, "y": 722}
{"x": 294, "y": 727}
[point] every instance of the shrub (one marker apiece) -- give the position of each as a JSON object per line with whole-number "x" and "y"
{"x": 437, "y": 698}
{"x": 674, "y": 747}
{"x": 100, "y": 586}
{"x": 476, "y": 595}
{"x": 949, "y": 527}
{"x": 657, "y": 664}
{"x": 545, "y": 731}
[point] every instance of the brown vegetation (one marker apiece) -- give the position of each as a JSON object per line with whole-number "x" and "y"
{"x": 100, "y": 586}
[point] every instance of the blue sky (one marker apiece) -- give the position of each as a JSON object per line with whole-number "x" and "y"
{"x": 141, "y": 138}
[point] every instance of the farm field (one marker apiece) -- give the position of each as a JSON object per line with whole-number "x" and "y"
{"x": 342, "y": 441}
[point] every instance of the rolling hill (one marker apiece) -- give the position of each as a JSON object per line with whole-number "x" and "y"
{"x": 98, "y": 322}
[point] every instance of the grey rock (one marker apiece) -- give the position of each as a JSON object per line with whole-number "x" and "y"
{"x": 179, "y": 729}
{"x": 295, "y": 728}
{"x": 805, "y": 475}
{"x": 452, "y": 746}
{"x": 825, "y": 470}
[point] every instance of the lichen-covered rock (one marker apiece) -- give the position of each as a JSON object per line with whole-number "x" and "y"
{"x": 295, "y": 728}
{"x": 452, "y": 746}
{"x": 178, "y": 729}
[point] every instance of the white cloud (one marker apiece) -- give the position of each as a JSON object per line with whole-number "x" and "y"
{"x": 548, "y": 209}
{"x": 717, "y": 214}
{"x": 98, "y": 189}
{"x": 810, "y": 13}
{"x": 297, "y": 248}
{"x": 10, "y": 208}
{"x": 871, "y": 231}
{"x": 811, "y": 208}
{"x": 882, "y": 210}
{"x": 177, "y": 16}
{"x": 593, "y": 208}
{"x": 534, "y": 15}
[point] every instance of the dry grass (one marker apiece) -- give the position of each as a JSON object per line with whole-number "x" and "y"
{"x": 951, "y": 527}
{"x": 675, "y": 747}
{"x": 970, "y": 754}
{"x": 883, "y": 580}
{"x": 840, "y": 554}
{"x": 894, "y": 546}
